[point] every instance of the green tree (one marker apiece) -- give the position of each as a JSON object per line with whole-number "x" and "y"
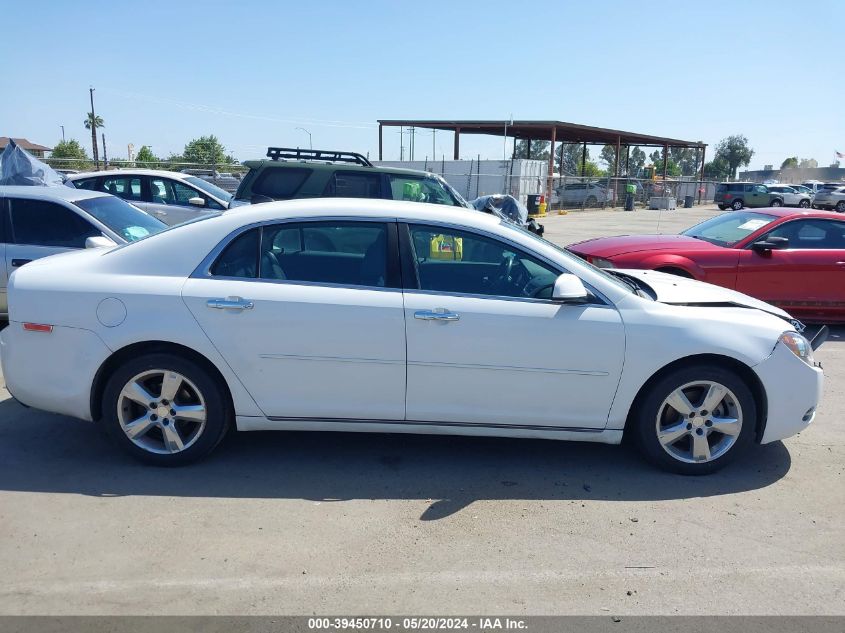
{"x": 672, "y": 168}
{"x": 206, "y": 150}
{"x": 735, "y": 151}
{"x": 568, "y": 157}
{"x": 636, "y": 161}
{"x": 146, "y": 158}
{"x": 808, "y": 163}
{"x": 608, "y": 156}
{"x": 717, "y": 169}
{"x": 790, "y": 163}
{"x": 69, "y": 155}
{"x": 539, "y": 150}
{"x": 90, "y": 120}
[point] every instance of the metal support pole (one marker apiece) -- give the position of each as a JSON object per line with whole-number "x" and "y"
{"x": 584, "y": 160}
{"x": 628, "y": 161}
{"x": 665, "y": 163}
{"x": 618, "y": 149}
{"x": 701, "y": 186}
{"x": 380, "y": 142}
{"x": 457, "y": 143}
{"x": 528, "y": 150}
{"x": 549, "y": 183}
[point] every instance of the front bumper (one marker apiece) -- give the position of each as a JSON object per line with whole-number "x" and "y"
{"x": 52, "y": 371}
{"x": 793, "y": 392}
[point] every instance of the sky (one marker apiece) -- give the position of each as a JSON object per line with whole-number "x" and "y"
{"x": 254, "y": 72}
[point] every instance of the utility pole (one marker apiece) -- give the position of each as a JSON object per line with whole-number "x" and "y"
{"x": 401, "y": 144}
{"x": 63, "y": 133}
{"x": 94, "y": 131}
{"x": 105, "y": 156}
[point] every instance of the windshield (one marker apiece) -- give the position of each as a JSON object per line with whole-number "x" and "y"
{"x": 209, "y": 188}
{"x": 432, "y": 189}
{"x": 570, "y": 257}
{"x": 127, "y": 221}
{"x": 729, "y": 228}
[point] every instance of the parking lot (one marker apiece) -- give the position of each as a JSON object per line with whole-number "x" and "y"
{"x": 302, "y": 523}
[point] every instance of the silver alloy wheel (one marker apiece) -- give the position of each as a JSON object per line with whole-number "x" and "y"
{"x": 166, "y": 423}
{"x": 699, "y": 422}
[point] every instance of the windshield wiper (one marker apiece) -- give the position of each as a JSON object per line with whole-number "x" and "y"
{"x": 626, "y": 280}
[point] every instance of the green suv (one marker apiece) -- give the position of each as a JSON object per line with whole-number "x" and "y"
{"x": 737, "y": 195}
{"x": 301, "y": 173}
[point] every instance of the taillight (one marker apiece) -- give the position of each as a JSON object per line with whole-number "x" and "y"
{"x": 728, "y": 196}
{"x": 38, "y": 327}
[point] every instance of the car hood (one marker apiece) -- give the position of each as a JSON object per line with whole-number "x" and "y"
{"x": 676, "y": 290}
{"x": 622, "y": 244}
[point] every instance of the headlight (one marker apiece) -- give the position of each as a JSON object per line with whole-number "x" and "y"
{"x": 598, "y": 262}
{"x": 799, "y": 346}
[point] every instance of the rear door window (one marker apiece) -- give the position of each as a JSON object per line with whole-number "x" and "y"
{"x": 280, "y": 182}
{"x": 126, "y": 187}
{"x": 41, "y": 223}
{"x": 351, "y": 184}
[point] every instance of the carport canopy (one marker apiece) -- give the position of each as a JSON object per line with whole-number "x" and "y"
{"x": 554, "y": 131}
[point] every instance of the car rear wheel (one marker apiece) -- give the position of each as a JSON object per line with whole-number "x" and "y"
{"x": 804, "y": 204}
{"x": 840, "y": 206}
{"x": 696, "y": 420}
{"x": 777, "y": 203}
{"x": 736, "y": 205}
{"x": 165, "y": 410}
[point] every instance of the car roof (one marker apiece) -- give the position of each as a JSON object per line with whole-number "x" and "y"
{"x": 786, "y": 212}
{"x": 131, "y": 171}
{"x": 68, "y": 194}
{"x": 313, "y": 164}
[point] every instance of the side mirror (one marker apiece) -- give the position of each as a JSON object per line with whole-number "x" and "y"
{"x": 99, "y": 241}
{"x": 770, "y": 244}
{"x": 197, "y": 201}
{"x": 569, "y": 289}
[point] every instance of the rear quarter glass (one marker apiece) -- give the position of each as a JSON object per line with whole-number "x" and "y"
{"x": 280, "y": 182}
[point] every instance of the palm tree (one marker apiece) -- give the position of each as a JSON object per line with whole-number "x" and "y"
{"x": 97, "y": 121}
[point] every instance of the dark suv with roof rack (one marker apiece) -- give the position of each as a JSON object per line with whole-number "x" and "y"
{"x": 300, "y": 173}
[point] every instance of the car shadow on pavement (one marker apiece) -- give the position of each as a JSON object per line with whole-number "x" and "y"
{"x": 50, "y": 453}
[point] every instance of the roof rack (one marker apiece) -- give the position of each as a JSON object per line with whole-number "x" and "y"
{"x": 318, "y": 154}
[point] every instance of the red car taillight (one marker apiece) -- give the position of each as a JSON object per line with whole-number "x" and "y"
{"x": 728, "y": 196}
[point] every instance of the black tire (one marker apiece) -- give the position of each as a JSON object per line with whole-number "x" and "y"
{"x": 736, "y": 205}
{"x": 777, "y": 202}
{"x": 804, "y": 204}
{"x": 214, "y": 395}
{"x": 649, "y": 405}
{"x": 722, "y": 207}
{"x": 678, "y": 272}
{"x": 840, "y": 206}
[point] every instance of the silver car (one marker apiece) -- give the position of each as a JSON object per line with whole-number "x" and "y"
{"x": 830, "y": 198}
{"x": 170, "y": 196}
{"x": 41, "y": 221}
{"x": 792, "y": 197}
{"x": 582, "y": 194}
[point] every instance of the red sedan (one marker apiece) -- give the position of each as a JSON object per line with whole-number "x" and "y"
{"x": 792, "y": 258}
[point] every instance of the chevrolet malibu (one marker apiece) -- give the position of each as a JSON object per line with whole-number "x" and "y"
{"x": 384, "y": 316}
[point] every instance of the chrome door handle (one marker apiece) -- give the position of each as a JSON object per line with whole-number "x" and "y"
{"x": 438, "y": 314}
{"x": 230, "y": 303}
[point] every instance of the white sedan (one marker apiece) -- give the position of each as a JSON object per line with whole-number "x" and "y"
{"x": 384, "y": 316}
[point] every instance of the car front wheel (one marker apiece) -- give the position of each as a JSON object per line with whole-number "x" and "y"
{"x": 804, "y": 204}
{"x": 736, "y": 205}
{"x": 776, "y": 203}
{"x": 696, "y": 420}
{"x": 841, "y": 206}
{"x": 165, "y": 409}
